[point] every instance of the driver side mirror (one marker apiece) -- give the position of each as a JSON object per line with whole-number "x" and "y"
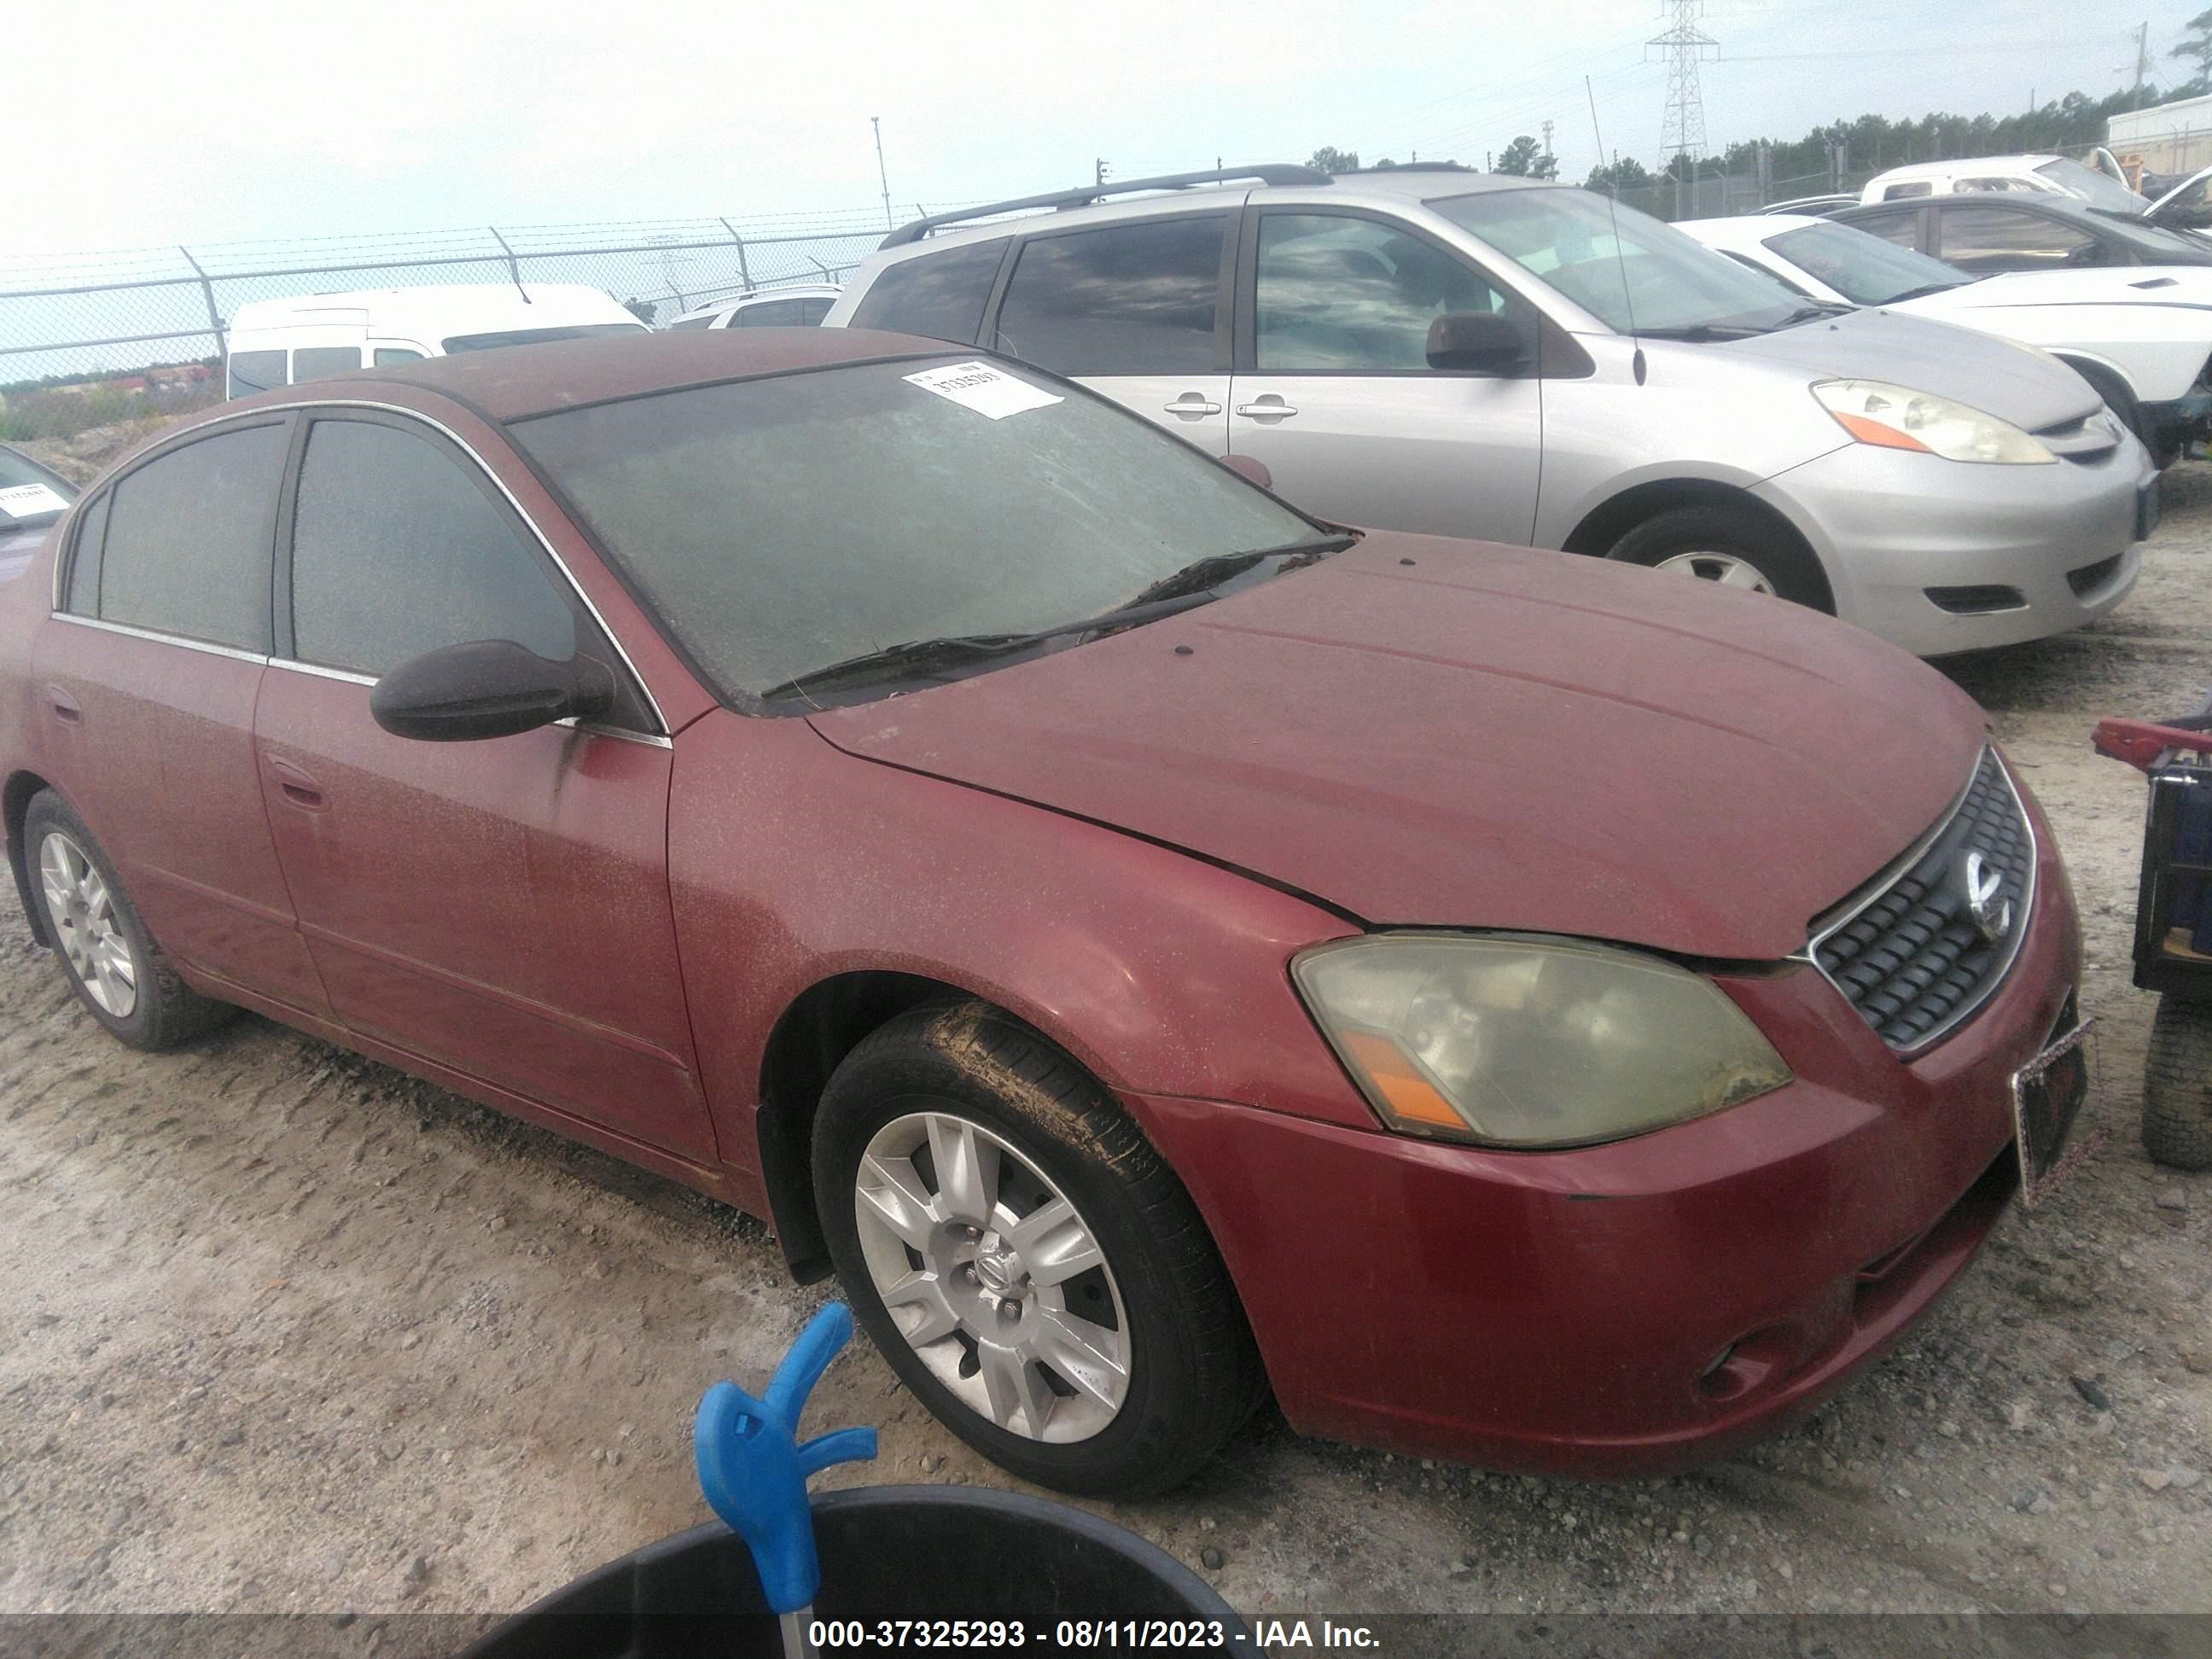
{"x": 487, "y": 688}
{"x": 1479, "y": 342}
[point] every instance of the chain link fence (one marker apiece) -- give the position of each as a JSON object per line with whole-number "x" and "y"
{"x": 87, "y": 339}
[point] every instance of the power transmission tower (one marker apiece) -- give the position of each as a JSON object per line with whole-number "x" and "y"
{"x": 2143, "y": 63}
{"x": 882, "y": 177}
{"x": 1548, "y": 165}
{"x": 1685, "y": 46}
{"x": 1101, "y": 172}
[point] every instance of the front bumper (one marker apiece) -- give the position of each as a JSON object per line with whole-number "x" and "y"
{"x": 1632, "y": 1309}
{"x": 2016, "y": 552}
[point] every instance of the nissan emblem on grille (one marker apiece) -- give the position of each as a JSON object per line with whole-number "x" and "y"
{"x": 1992, "y": 913}
{"x": 1922, "y": 947}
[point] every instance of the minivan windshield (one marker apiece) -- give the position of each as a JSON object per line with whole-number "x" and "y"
{"x": 1862, "y": 267}
{"x": 1636, "y": 275}
{"x": 782, "y": 525}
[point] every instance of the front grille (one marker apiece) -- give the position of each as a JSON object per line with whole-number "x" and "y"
{"x": 2091, "y": 577}
{"x": 1908, "y": 953}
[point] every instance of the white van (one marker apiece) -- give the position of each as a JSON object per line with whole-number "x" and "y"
{"x": 282, "y": 341}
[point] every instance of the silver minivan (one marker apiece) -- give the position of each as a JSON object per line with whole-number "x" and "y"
{"x": 1437, "y": 351}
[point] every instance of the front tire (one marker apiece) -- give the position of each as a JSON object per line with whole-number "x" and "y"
{"x": 116, "y": 970}
{"x": 2177, "y": 1118}
{"x": 1025, "y": 1260}
{"x": 1731, "y": 546}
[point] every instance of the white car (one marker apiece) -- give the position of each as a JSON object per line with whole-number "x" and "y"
{"x": 2049, "y": 175}
{"x": 2141, "y": 334}
{"x": 800, "y": 306}
{"x": 276, "y": 343}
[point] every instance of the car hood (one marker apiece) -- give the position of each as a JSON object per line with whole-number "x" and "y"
{"x": 2013, "y": 382}
{"x": 2162, "y": 285}
{"x": 1424, "y": 731}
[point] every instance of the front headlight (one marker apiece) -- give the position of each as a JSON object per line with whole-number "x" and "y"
{"x": 1897, "y": 417}
{"x": 1518, "y": 1041}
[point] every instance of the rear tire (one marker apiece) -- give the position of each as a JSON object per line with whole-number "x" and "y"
{"x": 116, "y": 970}
{"x": 1165, "y": 1368}
{"x": 1730, "y": 545}
{"x": 2177, "y": 1120}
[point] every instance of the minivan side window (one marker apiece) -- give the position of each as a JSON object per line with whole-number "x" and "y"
{"x": 188, "y": 540}
{"x": 255, "y": 371}
{"x": 317, "y": 362}
{"x": 1899, "y": 193}
{"x": 773, "y": 313}
{"x": 397, "y": 551}
{"x": 1348, "y": 295}
{"x": 1902, "y": 227}
{"x": 391, "y": 356}
{"x": 1140, "y": 298}
{"x": 939, "y": 295}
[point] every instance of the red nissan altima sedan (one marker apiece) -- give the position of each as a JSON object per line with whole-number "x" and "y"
{"x": 1156, "y": 949}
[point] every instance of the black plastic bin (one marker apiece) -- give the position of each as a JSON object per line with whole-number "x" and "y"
{"x": 887, "y": 1552}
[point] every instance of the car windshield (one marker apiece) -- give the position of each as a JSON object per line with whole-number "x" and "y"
{"x": 2092, "y": 186}
{"x": 1864, "y": 268}
{"x": 1636, "y": 274}
{"x": 508, "y": 337}
{"x": 780, "y": 526}
{"x": 30, "y": 496}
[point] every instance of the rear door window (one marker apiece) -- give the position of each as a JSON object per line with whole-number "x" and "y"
{"x": 256, "y": 371}
{"x": 188, "y": 542}
{"x": 1901, "y": 227}
{"x": 398, "y": 549}
{"x": 939, "y": 296}
{"x": 1141, "y": 298}
{"x": 1979, "y": 238}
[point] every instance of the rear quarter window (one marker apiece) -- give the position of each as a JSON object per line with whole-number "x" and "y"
{"x": 189, "y": 537}
{"x": 939, "y": 296}
{"x": 256, "y": 371}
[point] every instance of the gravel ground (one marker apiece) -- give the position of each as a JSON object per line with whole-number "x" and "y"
{"x": 284, "y": 1330}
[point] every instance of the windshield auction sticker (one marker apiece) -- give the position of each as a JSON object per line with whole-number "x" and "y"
{"x": 28, "y": 501}
{"x": 986, "y": 390}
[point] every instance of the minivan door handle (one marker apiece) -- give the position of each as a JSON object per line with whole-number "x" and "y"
{"x": 1191, "y": 406}
{"x": 64, "y": 706}
{"x": 1266, "y": 407}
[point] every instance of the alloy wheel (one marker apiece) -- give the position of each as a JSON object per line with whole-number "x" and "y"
{"x": 82, "y": 912}
{"x": 993, "y": 1278}
{"x": 1724, "y": 568}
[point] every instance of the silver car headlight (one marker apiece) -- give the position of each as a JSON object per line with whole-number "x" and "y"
{"x": 1513, "y": 1040}
{"x": 1897, "y": 417}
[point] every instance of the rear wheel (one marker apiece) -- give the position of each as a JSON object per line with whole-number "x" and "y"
{"x": 113, "y": 964}
{"x": 1025, "y": 1260}
{"x": 1729, "y": 546}
{"x": 2177, "y": 1120}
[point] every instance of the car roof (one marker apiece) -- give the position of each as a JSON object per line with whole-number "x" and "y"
{"x": 2027, "y": 163}
{"x": 511, "y": 383}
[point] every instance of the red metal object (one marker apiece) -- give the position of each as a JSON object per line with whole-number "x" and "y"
{"x": 1124, "y": 845}
{"x": 2141, "y": 742}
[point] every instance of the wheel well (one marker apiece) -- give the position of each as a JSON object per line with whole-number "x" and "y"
{"x": 815, "y": 1034}
{"x": 14, "y": 803}
{"x": 1609, "y": 522}
{"x": 2104, "y": 378}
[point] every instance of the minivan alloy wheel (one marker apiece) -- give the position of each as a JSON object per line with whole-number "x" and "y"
{"x": 82, "y": 913}
{"x": 1725, "y": 569}
{"x": 992, "y": 1276}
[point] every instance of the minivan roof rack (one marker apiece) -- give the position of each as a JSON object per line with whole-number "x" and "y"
{"x": 1276, "y": 175}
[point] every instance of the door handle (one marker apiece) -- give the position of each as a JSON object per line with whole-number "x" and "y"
{"x": 1192, "y": 404}
{"x": 64, "y": 706}
{"x": 1267, "y": 408}
{"x": 296, "y": 786}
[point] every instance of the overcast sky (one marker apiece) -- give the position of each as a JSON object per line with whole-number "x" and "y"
{"x": 150, "y": 124}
